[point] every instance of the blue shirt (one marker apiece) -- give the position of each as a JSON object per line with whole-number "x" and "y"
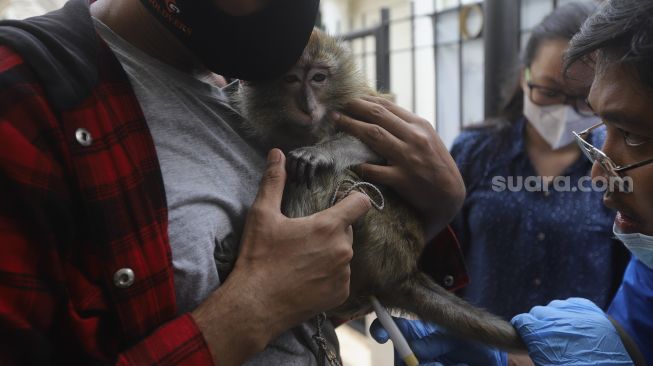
{"x": 632, "y": 306}
{"x": 526, "y": 248}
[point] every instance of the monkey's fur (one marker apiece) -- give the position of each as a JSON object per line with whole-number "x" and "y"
{"x": 292, "y": 113}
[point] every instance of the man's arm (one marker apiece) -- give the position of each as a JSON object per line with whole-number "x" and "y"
{"x": 631, "y": 309}
{"x": 51, "y": 311}
{"x": 287, "y": 271}
{"x": 570, "y": 332}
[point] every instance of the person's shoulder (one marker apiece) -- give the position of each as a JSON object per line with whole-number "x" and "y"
{"x": 478, "y": 139}
{"x": 60, "y": 47}
{"x": 474, "y": 134}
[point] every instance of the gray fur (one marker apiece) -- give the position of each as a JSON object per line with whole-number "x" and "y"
{"x": 387, "y": 243}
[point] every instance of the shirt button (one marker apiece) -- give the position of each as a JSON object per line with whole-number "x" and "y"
{"x": 537, "y": 282}
{"x": 123, "y": 278}
{"x": 547, "y": 194}
{"x": 448, "y": 280}
{"x": 83, "y": 137}
{"x": 541, "y": 236}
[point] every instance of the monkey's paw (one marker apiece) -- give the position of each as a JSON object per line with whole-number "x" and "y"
{"x": 304, "y": 162}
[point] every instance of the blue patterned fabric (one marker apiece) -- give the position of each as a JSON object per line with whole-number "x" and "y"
{"x": 528, "y": 248}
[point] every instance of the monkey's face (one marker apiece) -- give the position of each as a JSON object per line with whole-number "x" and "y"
{"x": 294, "y": 109}
{"x": 324, "y": 79}
{"x": 306, "y": 89}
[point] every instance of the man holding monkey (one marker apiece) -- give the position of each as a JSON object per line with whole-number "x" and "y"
{"x": 117, "y": 160}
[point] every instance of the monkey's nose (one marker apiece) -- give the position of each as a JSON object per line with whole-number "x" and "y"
{"x": 306, "y": 106}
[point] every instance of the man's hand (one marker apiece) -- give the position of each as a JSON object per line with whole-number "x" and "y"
{"x": 433, "y": 346}
{"x": 571, "y": 332}
{"x": 419, "y": 166}
{"x": 287, "y": 271}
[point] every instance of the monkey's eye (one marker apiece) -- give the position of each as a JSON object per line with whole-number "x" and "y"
{"x": 319, "y": 77}
{"x": 291, "y": 79}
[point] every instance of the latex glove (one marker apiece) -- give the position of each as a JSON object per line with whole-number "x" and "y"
{"x": 434, "y": 346}
{"x": 572, "y": 332}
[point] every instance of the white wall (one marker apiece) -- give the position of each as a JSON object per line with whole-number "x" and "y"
{"x": 20, "y": 9}
{"x": 456, "y": 87}
{"x": 342, "y": 16}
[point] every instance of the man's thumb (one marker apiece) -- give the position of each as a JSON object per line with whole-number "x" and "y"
{"x": 270, "y": 191}
{"x": 351, "y": 208}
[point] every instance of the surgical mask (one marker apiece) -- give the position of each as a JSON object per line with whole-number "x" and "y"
{"x": 257, "y": 46}
{"x": 556, "y": 122}
{"x": 640, "y": 245}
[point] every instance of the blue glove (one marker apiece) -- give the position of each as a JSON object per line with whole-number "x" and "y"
{"x": 434, "y": 347}
{"x": 572, "y": 332}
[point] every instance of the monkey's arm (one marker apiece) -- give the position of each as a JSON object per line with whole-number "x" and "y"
{"x": 335, "y": 153}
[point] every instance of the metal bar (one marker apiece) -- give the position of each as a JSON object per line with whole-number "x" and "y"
{"x": 383, "y": 52}
{"x": 413, "y": 75}
{"x": 406, "y": 49}
{"x": 430, "y": 15}
{"x": 434, "y": 21}
{"x": 360, "y": 33}
{"x": 364, "y": 46}
{"x": 461, "y": 75}
{"x": 502, "y": 43}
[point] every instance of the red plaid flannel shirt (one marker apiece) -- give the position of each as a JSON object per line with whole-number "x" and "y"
{"x": 75, "y": 210}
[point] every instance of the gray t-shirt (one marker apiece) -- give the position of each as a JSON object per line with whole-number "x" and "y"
{"x": 211, "y": 175}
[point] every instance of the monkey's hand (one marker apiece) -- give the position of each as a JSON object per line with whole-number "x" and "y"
{"x": 304, "y": 162}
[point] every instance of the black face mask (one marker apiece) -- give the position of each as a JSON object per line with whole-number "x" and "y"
{"x": 258, "y": 46}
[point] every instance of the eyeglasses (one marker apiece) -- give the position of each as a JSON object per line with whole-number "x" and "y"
{"x": 544, "y": 96}
{"x": 596, "y": 155}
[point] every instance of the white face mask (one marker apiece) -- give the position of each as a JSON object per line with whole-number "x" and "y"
{"x": 556, "y": 122}
{"x": 640, "y": 245}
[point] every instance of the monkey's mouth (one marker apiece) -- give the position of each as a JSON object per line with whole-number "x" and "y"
{"x": 305, "y": 119}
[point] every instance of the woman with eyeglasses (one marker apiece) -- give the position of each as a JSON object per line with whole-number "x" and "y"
{"x": 617, "y": 45}
{"x": 528, "y": 237}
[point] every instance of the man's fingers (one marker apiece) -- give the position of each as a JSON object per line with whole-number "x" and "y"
{"x": 372, "y": 135}
{"x": 433, "y": 346}
{"x": 380, "y": 174}
{"x": 406, "y": 115}
{"x": 351, "y": 208}
{"x": 270, "y": 191}
{"x": 378, "y": 332}
{"x": 377, "y": 114}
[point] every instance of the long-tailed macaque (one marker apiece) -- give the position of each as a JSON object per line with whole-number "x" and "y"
{"x": 292, "y": 113}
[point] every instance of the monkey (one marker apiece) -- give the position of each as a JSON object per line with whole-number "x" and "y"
{"x": 292, "y": 113}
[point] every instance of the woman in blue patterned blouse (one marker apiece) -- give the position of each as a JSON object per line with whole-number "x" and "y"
{"x": 530, "y": 238}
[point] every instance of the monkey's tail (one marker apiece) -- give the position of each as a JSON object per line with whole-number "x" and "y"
{"x": 430, "y": 302}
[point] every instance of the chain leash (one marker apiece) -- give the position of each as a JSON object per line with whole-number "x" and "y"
{"x": 379, "y": 203}
{"x": 324, "y": 350}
